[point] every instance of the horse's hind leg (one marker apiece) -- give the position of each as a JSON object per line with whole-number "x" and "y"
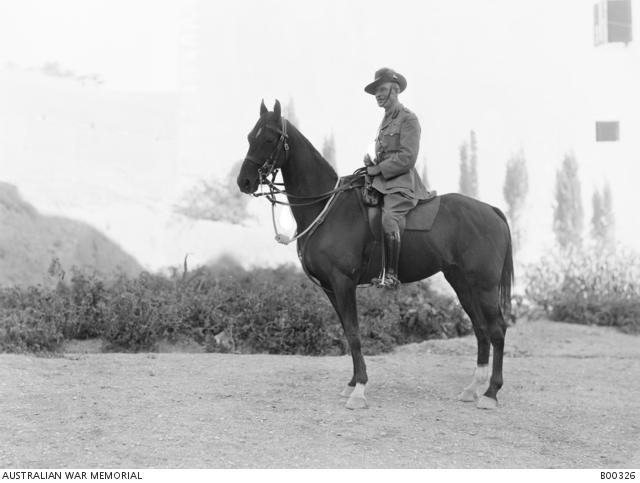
{"x": 497, "y": 329}
{"x": 343, "y": 298}
{"x": 473, "y": 309}
{"x": 480, "y": 379}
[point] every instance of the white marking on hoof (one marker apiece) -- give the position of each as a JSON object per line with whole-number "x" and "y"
{"x": 468, "y": 395}
{"x": 479, "y": 384}
{"x": 357, "y": 399}
{"x": 346, "y": 392}
{"x": 485, "y": 402}
{"x": 356, "y": 403}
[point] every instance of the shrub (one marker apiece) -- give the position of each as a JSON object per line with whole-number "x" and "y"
{"x": 222, "y": 307}
{"x": 29, "y": 330}
{"x": 31, "y": 319}
{"x": 600, "y": 287}
{"x": 281, "y": 312}
{"x": 140, "y": 312}
{"x": 87, "y": 300}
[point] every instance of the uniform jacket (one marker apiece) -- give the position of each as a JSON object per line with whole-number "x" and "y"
{"x": 397, "y": 148}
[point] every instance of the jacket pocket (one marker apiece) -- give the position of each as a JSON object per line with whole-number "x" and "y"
{"x": 391, "y": 140}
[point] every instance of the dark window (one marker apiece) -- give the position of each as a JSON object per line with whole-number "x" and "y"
{"x": 607, "y": 131}
{"x": 619, "y": 20}
{"x": 612, "y": 21}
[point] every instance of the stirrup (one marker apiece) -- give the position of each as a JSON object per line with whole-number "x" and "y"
{"x": 387, "y": 281}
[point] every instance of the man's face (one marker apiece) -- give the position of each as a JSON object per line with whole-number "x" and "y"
{"x": 385, "y": 95}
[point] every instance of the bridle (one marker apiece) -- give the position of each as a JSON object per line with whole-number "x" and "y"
{"x": 269, "y": 169}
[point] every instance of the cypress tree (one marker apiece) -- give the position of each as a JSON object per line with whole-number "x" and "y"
{"x": 425, "y": 174}
{"x": 602, "y": 221}
{"x": 468, "y": 183}
{"x": 568, "y": 213}
{"x": 473, "y": 164}
{"x": 515, "y": 190}
{"x": 290, "y": 113}
{"x": 463, "y": 183}
{"x": 608, "y": 215}
{"x": 329, "y": 150}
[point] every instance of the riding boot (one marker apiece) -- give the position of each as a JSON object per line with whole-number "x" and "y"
{"x": 389, "y": 277}
{"x": 392, "y": 254}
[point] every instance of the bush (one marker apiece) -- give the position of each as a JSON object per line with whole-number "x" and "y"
{"x": 88, "y": 302}
{"x": 413, "y": 313}
{"x": 29, "y": 330}
{"x": 222, "y": 308}
{"x": 31, "y": 319}
{"x": 597, "y": 287}
{"x": 279, "y": 311}
{"x": 140, "y": 313}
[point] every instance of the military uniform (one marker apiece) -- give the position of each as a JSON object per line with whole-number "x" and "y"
{"x": 395, "y": 175}
{"x": 397, "y": 148}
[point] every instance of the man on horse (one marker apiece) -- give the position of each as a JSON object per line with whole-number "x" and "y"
{"x": 393, "y": 169}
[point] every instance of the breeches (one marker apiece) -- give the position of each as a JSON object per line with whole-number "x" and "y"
{"x": 395, "y": 207}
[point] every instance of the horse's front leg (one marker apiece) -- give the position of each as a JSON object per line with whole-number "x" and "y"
{"x": 343, "y": 297}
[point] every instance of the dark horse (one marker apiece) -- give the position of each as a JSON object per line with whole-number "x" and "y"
{"x": 469, "y": 242}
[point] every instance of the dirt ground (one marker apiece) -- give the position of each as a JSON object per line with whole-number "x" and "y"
{"x": 571, "y": 399}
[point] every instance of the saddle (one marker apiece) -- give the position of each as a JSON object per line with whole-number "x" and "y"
{"x": 420, "y": 218}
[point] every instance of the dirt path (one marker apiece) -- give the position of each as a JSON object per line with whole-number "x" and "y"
{"x": 571, "y": 399}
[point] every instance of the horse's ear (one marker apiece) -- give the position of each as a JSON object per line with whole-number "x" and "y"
{"x": 263, "y": 108}
{"x": 276, "y": 109}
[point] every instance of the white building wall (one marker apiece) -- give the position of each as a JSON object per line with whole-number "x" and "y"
{"x": 611, "y": 74}
{"x": 595, "y": 83}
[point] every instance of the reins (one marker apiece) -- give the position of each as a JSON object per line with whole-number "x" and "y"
{"x": 269, "y": 168}
{"x": 284, "y": 239}
{"x": 330, "y": 195}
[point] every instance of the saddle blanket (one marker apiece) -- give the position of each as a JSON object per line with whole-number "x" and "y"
{"x": 421, "y": 218}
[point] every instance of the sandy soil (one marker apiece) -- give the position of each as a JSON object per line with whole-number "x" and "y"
{"x": 571, "y": 399}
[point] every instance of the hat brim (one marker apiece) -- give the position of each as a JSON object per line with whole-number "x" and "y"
{"x": 401, "y": 81}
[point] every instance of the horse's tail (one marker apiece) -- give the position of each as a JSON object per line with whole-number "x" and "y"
{"x": 507, "y": 278}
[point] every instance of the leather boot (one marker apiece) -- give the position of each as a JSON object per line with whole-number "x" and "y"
{"x": 389, "y": 277}
{"x": 392, "y": 254}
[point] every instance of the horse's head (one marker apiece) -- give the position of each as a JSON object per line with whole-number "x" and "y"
{"x": 268, "y": 149}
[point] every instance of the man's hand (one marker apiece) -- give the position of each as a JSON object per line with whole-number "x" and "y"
{"x": 367, "y": 160}
{"x": 373, "y": 170}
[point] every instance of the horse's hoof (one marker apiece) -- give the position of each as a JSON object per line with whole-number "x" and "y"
{"x": 468, "y": 395}
{"x": 485, "y": 402}
{"x": 356, "y": 403}
{"x": 346, "y": 392}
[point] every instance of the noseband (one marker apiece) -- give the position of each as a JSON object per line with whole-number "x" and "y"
{"x": 269, "y": 167}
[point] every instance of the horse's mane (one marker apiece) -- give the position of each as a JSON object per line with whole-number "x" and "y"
{"x": 318, "y": 158}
